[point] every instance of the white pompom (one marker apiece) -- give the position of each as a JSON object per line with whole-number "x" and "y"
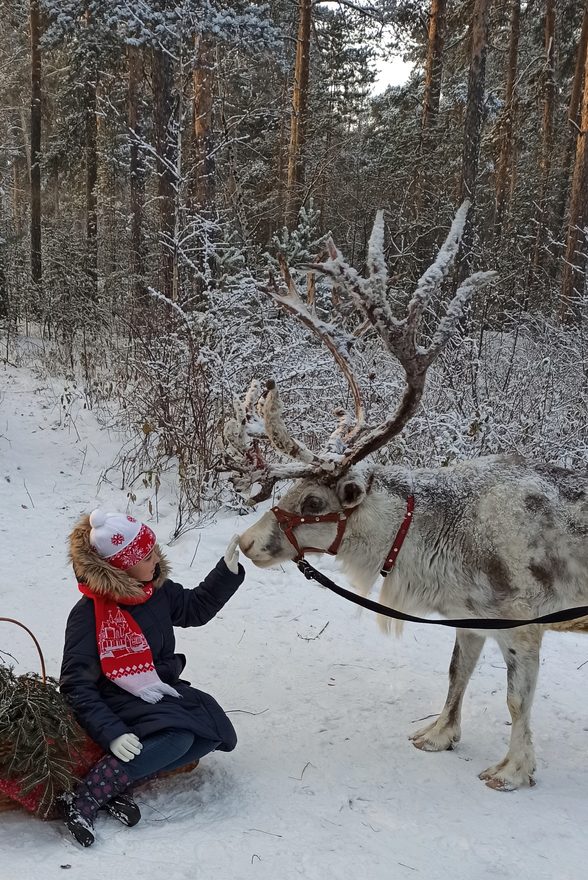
{"x": 97, "y": 519}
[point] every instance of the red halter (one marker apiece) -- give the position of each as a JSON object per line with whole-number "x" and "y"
{"x": 288, "y": 522}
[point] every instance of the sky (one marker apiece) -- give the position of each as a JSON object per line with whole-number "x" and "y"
{"x": 324, "y": 783}
{"x": 394, "y": 72}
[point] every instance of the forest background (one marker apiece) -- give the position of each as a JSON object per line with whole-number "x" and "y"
{"x": 156, "y": 157}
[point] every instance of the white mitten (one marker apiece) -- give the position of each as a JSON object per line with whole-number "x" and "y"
{"x": 126, "y": 747}
{"x": 231, "y": 556}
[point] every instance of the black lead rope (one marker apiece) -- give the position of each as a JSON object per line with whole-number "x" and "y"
{"x": 461, "y": 623}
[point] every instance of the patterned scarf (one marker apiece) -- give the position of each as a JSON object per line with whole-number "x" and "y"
{"x": 125, "y": 655}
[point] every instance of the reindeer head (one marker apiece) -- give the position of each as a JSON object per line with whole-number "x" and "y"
{"x": 331, "y": 484}
{"x": 310, "y": 517}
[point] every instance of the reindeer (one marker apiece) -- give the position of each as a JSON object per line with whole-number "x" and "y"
{"x": 495, "y": 537}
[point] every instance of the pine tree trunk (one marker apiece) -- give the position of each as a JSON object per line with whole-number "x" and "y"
{"x": 474, "y": 117}
{"x": 91, "y": 176}
{"x": 571, "y": 136}
{"x": 18, "y": 193}
{"x": 277, "y": 221}
{"x": 162, "y": 95}
{"x": 4, "y": 299}
{"x": 298, "y": 118}
{"x": 546, "y": 136}
{"x": 36, "y": 98}
{"x": 505, "y": 159}
{"x": 433, "y": 65}
{"x": 425, "y": 167}
{"x": 137, "y": 175}
{"x": 475, "y": 101}
{"x": 576, "y": 254}
{"x": 205, "y": 189}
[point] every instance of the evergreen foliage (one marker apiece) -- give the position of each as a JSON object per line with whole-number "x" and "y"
{"x": 39, "y": 738}
{"x": 165, "y": 157}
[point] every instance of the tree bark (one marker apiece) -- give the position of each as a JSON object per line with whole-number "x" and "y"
{"x": 433, "y": 65}
{"x": 425, "y": 168}
{"x": 165, "y": 164}
{"x": 475, "y": 100}
{"x": 571, "y": 136}
{"x": 36, "y": 106}
{"x": 205, "y": 188}
{"x": 4, "y": 298}
{"x": 576, "y": 253}
{"x": 474, "y": 117}
{"x": 505, "y": 159}
{"x": 299, "y": 114}
{"x": 546, "y": 135}
{"x": 277, "y": 221}
{"x": 137, "y": 175}
{"x": 91, "y": 173}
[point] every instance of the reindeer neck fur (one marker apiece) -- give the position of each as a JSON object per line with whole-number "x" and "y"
{"x": 373, "y": 525}
{"x": 416, "y": 579}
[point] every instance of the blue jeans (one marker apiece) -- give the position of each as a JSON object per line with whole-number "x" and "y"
{"x": 167, "y": 751}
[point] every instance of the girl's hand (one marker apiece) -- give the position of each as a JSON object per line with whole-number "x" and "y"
{"x": 232, "y": 555}
{"x": 126, "y": 747}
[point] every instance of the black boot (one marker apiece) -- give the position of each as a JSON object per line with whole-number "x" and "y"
{"x": 80, "y": 827}
{"x": 124, "y": 808}
{"x": 106, "y": 780}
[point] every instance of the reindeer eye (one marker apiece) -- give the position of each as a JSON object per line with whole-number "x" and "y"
{"x": 312, "y": 504}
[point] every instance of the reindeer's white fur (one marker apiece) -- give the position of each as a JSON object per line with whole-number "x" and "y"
{"x": 494, "y": 537}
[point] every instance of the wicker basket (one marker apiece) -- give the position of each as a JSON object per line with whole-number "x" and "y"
{"x": 7, "y": 803}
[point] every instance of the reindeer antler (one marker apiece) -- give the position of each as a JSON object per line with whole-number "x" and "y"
{"x": 400, "y": 336}
{"x": 336, "y": 340}
{"x": 352, "y": 440}
{"x": 259, "y": 417}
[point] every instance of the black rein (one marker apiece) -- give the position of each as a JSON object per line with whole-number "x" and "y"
{"x": 460, "y": 623}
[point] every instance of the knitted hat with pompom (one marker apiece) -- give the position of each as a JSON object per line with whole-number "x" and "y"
{"x": 120, "y": 539}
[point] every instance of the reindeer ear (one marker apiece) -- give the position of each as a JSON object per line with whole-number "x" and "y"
{"x": 351, "y": 491}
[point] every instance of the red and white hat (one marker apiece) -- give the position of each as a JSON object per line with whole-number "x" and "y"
{"x": 120, "y": 539}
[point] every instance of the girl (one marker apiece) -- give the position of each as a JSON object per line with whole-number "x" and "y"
{"x": 120, "y": 673}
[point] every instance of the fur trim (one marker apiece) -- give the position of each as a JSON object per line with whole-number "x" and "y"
{"x": 102, "y": 578}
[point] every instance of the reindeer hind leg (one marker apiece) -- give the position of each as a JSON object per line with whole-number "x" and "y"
{"x": 520, "y": 649}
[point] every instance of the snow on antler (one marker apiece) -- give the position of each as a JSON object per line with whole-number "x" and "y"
{"x": 352, "y": 440}
{"x": 400, "y": 335}
{"x": 257, "y": 418}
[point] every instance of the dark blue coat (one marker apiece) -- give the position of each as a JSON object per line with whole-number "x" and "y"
{"x": 105, "y": 710}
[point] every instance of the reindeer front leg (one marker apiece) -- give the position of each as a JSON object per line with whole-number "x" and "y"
{"x": 521, "y": 653}
{"x": 446, "y": 730}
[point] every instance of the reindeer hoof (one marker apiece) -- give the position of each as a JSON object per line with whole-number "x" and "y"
{"x": 503, "y": 777}
{"x": 498, "y": 784}
{"x": 443, "y": 740}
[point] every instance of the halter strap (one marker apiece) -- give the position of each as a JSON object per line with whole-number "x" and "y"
{"x": 399, "y": 539}
{"x": 288, "y": 522}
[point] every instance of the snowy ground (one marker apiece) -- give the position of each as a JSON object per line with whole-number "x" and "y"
{"x": 324, "y": 783}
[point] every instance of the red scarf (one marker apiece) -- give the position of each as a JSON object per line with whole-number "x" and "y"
{"x": 125, "y": 655}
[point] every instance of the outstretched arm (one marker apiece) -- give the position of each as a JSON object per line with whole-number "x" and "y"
{"x": 196, "y": 607}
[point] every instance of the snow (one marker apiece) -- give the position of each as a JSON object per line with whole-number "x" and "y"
{"x": 324, "y": 783}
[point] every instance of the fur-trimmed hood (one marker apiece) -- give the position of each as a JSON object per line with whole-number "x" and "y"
{"x": 102, "y": 578}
